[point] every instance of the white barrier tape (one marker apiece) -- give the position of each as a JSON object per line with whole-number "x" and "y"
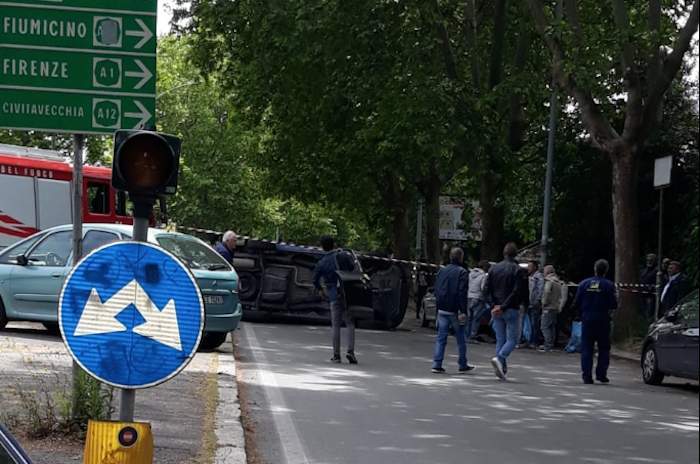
{"x": 621, "y": 285}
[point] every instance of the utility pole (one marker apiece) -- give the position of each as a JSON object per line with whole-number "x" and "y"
{"x": 553, "y": 116}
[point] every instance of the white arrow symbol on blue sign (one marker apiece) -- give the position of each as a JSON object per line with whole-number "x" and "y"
{"x": 100, "y": 318}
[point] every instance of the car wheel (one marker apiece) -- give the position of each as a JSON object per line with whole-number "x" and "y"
{"x": 650, "y": 367}
{"x": 424, "y": 322}
{"x": 3, "y": 316}
{"x": 212, "y": 340}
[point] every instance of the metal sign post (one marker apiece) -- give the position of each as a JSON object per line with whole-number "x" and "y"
{"x": 662, "y": 180}
{"x": 142, "y": 212}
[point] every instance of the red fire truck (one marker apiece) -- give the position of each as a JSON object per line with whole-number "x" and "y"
{"x": 36, "y": 193}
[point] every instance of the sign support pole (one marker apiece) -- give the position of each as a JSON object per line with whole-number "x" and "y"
{"x": 78, "y": 149}
{"x": 143, "y": 207}
{"x": 662, "y": 179}
{"x": 659, "y": 272}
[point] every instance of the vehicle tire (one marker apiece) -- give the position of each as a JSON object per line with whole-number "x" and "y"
{"x": 3, "y": 316}
{"x": 212, "y": 340}
{"x": 650, "y": 366}
{"x": 52, "y": 327}
{"x": 424, "y": 322}
{"x": 248, "y": 286}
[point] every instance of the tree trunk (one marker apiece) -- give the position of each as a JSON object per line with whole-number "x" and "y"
{"x": 492, "y": 219}
{"x": 400, "y": 239}
{"x": 431, "y": 192}
{"x": 625, "y": 219}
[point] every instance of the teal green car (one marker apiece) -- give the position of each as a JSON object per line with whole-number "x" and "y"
{"x": 33, "y": 270}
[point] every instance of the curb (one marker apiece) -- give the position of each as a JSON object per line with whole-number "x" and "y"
{"x": 624, "y": 355}
{"x": 230, "y": 440}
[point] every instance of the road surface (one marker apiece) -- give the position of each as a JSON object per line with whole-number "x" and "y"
{"x": 391, "y": 409}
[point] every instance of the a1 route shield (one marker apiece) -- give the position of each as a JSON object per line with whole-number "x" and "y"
{"x": 131, "y": 314}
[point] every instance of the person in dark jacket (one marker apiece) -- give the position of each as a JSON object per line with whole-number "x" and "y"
{"x": 507, "y": 289}
{"x": 596, "y": 299}
{"x": 647, "y": 276}
{"x": 227, "y": 246}
{"x": 451, "y": 302}
{"x": 326, "y": 279}
{"x": 675, "y": 288}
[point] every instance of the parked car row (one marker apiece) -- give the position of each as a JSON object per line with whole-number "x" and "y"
{"x": 32, "y": 273}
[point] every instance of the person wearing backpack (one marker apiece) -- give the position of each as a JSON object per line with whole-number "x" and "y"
{"x": 325, "y": 279}
{"x": 553, "y": 301}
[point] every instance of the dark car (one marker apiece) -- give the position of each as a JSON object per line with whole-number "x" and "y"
{"x": 671, "y": 346}
{"x": 277, "y": 278}
{"x": 10, "y": 450}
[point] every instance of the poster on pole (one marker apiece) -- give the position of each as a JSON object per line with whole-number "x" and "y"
{"x": 455, "y": 223}
{"x": 662, "y": 171}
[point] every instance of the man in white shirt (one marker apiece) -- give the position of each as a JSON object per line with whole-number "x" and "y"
{"x": 675, "y": 288}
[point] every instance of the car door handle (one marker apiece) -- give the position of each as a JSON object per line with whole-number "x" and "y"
{"x": 57, "y": 275}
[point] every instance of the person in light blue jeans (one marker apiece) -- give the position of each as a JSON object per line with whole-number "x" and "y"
{"x": 507, "y": 289}
{"x": 444, "y": 322}
{"x": 451, "y": 301}
{"x": 506, "y": 327}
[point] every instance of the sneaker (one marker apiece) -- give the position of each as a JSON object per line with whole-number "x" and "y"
{"x": 437, "y": 370}
{"x": 351, "y": 358}
{"x": 603, "y": 379}
{"x": 462, "y": 370}
{"x": 587, "y": 380}
{"x": 498, "y": 368}
{"x": 544, "y": 349}
{"x": 336, "y": 359}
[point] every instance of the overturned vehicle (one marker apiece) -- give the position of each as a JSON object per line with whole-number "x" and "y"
{"x": 277, "y": 278}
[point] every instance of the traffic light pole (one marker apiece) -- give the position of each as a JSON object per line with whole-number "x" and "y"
{"x": 143, "y": 206}
{"x": 78, "y": 149}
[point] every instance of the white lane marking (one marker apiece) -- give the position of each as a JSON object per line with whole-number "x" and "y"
{"x": 292, "y": 448}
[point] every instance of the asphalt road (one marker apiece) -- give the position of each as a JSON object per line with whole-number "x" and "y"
{"x": 391, "y": 409}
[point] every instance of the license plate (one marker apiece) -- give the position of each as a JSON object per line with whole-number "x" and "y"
{"x": 213, "y": 299}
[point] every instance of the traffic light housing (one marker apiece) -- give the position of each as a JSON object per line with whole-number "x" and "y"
{"x": 145, "y": 163}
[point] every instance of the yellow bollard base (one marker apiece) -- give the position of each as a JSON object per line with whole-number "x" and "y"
{"x": 114, "y": 442}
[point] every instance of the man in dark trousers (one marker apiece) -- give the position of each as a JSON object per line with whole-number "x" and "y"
{"x": 507, "y": 289}
{"x": 596, "y": 299}
{"x": 326, "y": 278}
{"x": 674, "y": 289}
{"x": 451, "y": 302}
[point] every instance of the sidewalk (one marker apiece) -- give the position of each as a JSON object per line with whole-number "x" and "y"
{"x": 195, "y": 417}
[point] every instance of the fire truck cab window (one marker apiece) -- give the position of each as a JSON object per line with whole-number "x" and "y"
{"x": 122, "y": 205}
{"x": 98, "y": 198}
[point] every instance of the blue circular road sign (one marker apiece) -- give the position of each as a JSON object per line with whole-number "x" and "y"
{"x": 131, "y": 314}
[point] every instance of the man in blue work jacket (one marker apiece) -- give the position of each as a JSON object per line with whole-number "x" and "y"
{"x": 596, "y": 300}
{"x": 451, "y": 288}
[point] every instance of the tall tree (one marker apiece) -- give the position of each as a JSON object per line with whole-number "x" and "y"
{"x": 603, "y": 50}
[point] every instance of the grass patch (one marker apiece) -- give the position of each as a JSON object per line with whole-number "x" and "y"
{"x": 207, "y": 450}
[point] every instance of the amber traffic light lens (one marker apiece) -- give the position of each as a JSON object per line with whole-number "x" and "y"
{"x": 146, "y": 161}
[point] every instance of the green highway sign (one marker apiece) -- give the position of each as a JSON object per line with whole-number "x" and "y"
{"x": 141, "y": 6}
{"x": 80, "y": 30}
{"x": 83, "y": 66}
{"x": 37, "y": 69}
{"x": 77, "y": 113}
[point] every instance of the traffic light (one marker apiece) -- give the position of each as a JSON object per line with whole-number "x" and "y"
{"x": 145, "y": 163}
